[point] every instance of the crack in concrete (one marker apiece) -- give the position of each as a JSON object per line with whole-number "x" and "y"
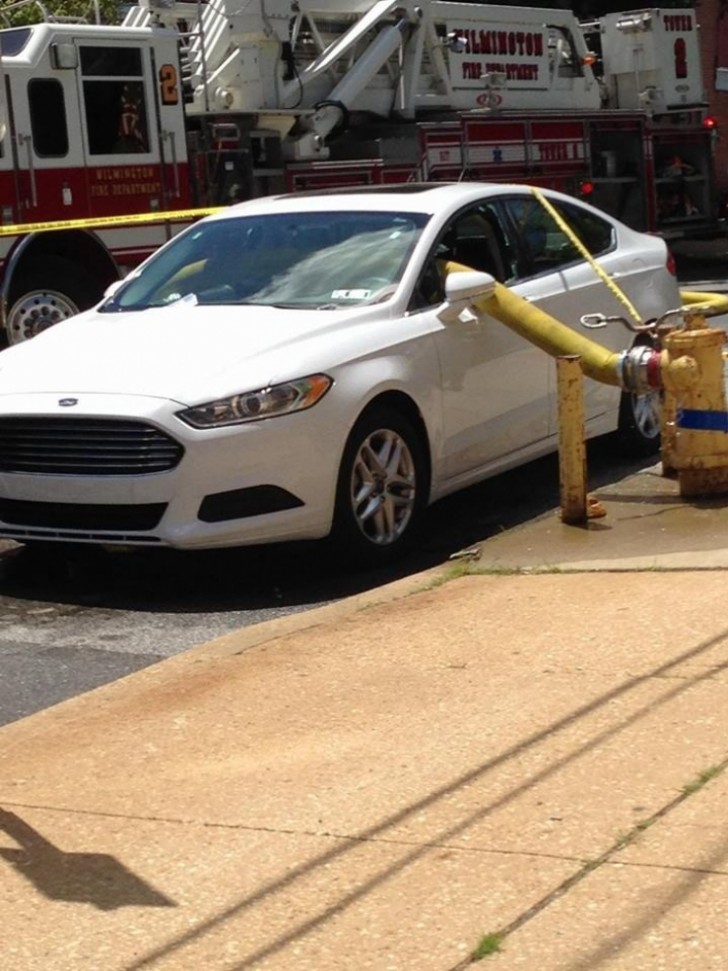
{"x": 603, "y": 859}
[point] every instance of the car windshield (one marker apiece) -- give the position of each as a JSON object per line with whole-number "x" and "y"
{"x": 324, "y": 260}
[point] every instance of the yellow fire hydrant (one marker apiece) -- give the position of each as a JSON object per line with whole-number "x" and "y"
{"x": 695, "y": 419}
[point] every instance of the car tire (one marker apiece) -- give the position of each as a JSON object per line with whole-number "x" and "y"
{"x": 57, "y": 292}
{"x": 639, "y": 424}
{"x": 381, "y": 491}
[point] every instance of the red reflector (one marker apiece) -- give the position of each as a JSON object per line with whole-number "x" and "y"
{"x": 586, "y": 188}
{"x": 654, "y": 370}
{"x": 710, "y": 122}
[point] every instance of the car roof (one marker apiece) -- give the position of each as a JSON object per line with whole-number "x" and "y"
{"x": 425, "y": 197}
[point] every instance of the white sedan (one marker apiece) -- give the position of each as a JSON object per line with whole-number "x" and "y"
{"x": 292, "y": 368}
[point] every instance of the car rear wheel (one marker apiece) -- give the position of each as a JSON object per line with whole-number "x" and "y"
{"x": 381, "y": 489}
{"x": 640, "y": 419}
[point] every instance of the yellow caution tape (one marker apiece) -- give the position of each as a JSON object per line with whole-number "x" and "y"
{"x": 600, "y": 272}
{"x": 130, "y": 219}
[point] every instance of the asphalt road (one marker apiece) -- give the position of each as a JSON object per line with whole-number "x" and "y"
{"x": 69, "y": 624}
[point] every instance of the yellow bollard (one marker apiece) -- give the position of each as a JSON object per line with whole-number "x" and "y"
{"x": 572, "y": 450}
{"x": 693, "y": 372}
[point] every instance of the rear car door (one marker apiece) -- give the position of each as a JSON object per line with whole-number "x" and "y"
{"x": 553, "y": 275}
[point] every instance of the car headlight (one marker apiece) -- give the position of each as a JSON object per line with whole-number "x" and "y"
{"x": 282, "y": 399}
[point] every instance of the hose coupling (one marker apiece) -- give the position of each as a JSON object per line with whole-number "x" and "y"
{"x": 639, "y": 370}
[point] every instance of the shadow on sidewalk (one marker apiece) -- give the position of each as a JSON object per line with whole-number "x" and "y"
{"x": 87, "y": 878}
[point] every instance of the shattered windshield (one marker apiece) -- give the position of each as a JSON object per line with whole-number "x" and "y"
{"x": 324, "y": 260}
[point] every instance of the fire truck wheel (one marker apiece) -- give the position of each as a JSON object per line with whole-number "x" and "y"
{"x": 45, "y": 298}
{"x": 639, "y": 423}
{"x": 381, "y": 491}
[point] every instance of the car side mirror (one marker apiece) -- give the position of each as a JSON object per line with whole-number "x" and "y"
{"x": 468, "y": 285}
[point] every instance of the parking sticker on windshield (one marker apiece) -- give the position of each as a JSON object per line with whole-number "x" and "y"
{"x": 351, "y": 294}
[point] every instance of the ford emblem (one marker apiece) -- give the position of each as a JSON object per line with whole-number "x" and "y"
{"x": 67, "y": 402}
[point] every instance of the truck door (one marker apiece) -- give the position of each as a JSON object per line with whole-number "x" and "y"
{"x": 49, "y": 179}
{"x": 120, "y": 129}
{"x": 8, "y": 175}
{"x": 132, "y": 128}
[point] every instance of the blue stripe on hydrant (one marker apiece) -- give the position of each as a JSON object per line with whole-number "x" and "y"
{"x": 702, "y": 421}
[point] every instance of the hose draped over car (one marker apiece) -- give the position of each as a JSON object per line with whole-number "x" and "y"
{"x": 557, "y": 339}
{"x": 550, "y": 335}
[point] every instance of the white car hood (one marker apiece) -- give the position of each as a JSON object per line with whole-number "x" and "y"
{"x": 184, "y": 353}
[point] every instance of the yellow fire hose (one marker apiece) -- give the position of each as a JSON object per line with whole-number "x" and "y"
{"x": 710, "y": 304}
{"x": 551, "y": 335}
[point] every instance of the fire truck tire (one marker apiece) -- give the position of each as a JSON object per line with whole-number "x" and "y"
{"x": 47, "y": 297}
{"x": 639, "y": 423}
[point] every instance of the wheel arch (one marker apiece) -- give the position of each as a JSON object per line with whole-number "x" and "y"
{"x": 78, "y": 246}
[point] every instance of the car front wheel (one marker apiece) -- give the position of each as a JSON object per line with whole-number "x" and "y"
{"x": 381, "y": 489}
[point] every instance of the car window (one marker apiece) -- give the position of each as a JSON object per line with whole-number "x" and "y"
{"x": 302, "y": 259}
{"x": 545, "y": 245}
{"x": 474, "y": 239}
{"x": 594, "y": 232}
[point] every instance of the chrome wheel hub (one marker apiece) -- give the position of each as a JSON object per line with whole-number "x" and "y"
{"x": 37, "y": 311}
{"x": 647, "y": 410}
{"x": 383, "y": 487}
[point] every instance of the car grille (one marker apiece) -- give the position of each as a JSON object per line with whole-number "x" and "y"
{"x": 85, "y": 446}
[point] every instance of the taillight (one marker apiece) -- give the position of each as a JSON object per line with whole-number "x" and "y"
{"x": 670, "y": 263}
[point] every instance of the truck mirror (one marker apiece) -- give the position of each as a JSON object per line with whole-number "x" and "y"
{"x": 64, "y": 56}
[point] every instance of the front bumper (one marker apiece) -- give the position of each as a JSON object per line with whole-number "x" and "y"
{"x": 260, "y": 482}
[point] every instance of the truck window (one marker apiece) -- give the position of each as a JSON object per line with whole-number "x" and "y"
{"x": 48, "y": 123}
{"x": 14, "y": 40}
{"x": 115, "y": 106}
{"x": 565, "y": 62}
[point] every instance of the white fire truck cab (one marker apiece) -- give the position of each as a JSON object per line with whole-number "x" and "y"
{"x": 88, "y": 131}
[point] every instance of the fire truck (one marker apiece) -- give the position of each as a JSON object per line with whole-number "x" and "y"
{"x": 112, "y": 136}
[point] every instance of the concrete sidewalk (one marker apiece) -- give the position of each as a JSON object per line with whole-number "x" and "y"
{"x": 527, "y": 761}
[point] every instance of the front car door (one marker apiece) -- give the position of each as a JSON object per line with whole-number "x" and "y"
{"x": 494, "y": 383}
